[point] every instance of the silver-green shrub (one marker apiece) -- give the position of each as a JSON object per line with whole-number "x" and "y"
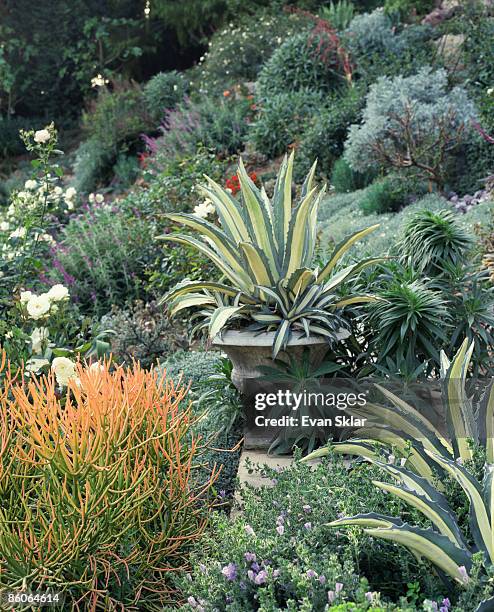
{"x": 411, "y": 123}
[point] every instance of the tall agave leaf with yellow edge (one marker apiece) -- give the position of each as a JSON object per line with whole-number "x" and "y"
{"x": 264, "y": 250}
{"x": 402, "y": 425}
{"x": 445, "y": 546}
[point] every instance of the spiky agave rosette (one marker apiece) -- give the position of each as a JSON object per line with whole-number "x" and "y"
{"x": 265, "y": 249}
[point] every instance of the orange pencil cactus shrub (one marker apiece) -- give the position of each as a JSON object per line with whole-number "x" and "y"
{"x": 99, "y": 497}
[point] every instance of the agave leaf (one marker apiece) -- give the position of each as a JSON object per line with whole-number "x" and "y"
{"x": 416, "y": 460}
{"x": 190, "y": 300}
{"x": 281, "y": 338}
{"x": 228, "y": 211}
{"x": 440, "y": 516}
{"x": 282, "y": 203}
{"x": 237, "y": 277}
{"x": 219, "y": 239}
{"x": 405, "y": 420}
{"x": 189, "y": 286}
{"x": 488, "y": 487}
{"x": 459, "y": 414}
{"x": 363, "y": 448}
{"x": 358, "y": 299}
{"x": 297, "y": 250}
{"x": 259, "y": 217}
{"x": 486, "y": 606}
{"x": 479, "y": 518}
{"x": 300, "y": 280}
{"x": 431, "y": 545}
{"x": 485, "y": 418}
{"x": 342, "y": 247}
{"x": 309, "y": 180}
{"x": 257, "y": 264}
{"x": 370, "y": 519}
{"x": 220, "y": 317}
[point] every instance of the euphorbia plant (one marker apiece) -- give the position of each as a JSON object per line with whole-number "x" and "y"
{"x": 265, "y": 250}
{"x": 98, "y": 495}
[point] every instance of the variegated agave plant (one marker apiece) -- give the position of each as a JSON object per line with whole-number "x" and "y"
{"x": 431, "y": 456}
{"x": 265, "y": 251}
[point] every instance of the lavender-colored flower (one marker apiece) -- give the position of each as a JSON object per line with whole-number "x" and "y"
{"x": 192, "y": 602}
{"x": 242, "y": 585}
{"x": 251, "y": 575}
{"x": 276, "y": 573}
{"x": 446, "y": 603}
{"x": 255, "y": 566}
{"x": 280, "y": 520}
{"x": 280, "y": 529}
{"x": 369, "y": 596}
{"x": 274, "y": 481}
{"x": 322, "y": 579}
{"x": 249, "y": 530}
{"x": 338, "y": 587}
{"x": 222, "y": 494}
{"x": 331, "y": 596}
{"x": 250, "y": 556}
{"x": 462, "y": 570}
{"x": 230, "y": 571}
{"x": 261, "y": 577}
{"x": 308, "y": 526}
{"x": 311, "y": 574}
{"x": 306, "y": 508}
{"x": 202, "y": 567}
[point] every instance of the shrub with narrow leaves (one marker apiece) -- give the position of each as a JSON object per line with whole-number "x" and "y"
{"x": 412, "y": 124}
{"x": 98, "y": 493}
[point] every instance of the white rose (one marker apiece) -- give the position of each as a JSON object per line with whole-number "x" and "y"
{"x": 25, "y": 296}
{"x": 30, "y": 184}
{"x": 91, "y": 197}
{"x": 38, "y": 306}
{"x": 4, "y": 226}
{"x": 99, "y": 198}
{"x": 42, "y": 136}
{"x": 204, "y": 210}
{"x": 64, "y": 370}
{"x": 20, "y": 232}
{"x": 38, "y": 338}
{"x": 70, "y": 193}
{"x": 58, "y": 293}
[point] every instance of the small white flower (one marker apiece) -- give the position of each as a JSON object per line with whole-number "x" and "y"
{"x": 20, "y": 232}
{"x": 70, "y": 193}
{"x": 4, "y": 226}
{"x": 64, "y": 370}
{"x": 23, "y": 195}
{"x": 204, "y": 209}
{"x": 391, "y": 459}
{"x": 34, "y": 365}
{"x": 30, "y": 184}
{"x": 490, "y": 91}
{"x": 38, "y": 338}
{"x": 98, "y": 81}
{"x": 58, "y": 293}
{"x": 42, "y": 136}
{"x": 99, "y": 198}
{"x": 91, "y": 197}
{"x": 25, "y": 296}
{"x": 38, "y": 306}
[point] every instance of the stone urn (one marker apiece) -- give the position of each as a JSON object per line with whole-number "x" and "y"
{"x": 249, "y": 351}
